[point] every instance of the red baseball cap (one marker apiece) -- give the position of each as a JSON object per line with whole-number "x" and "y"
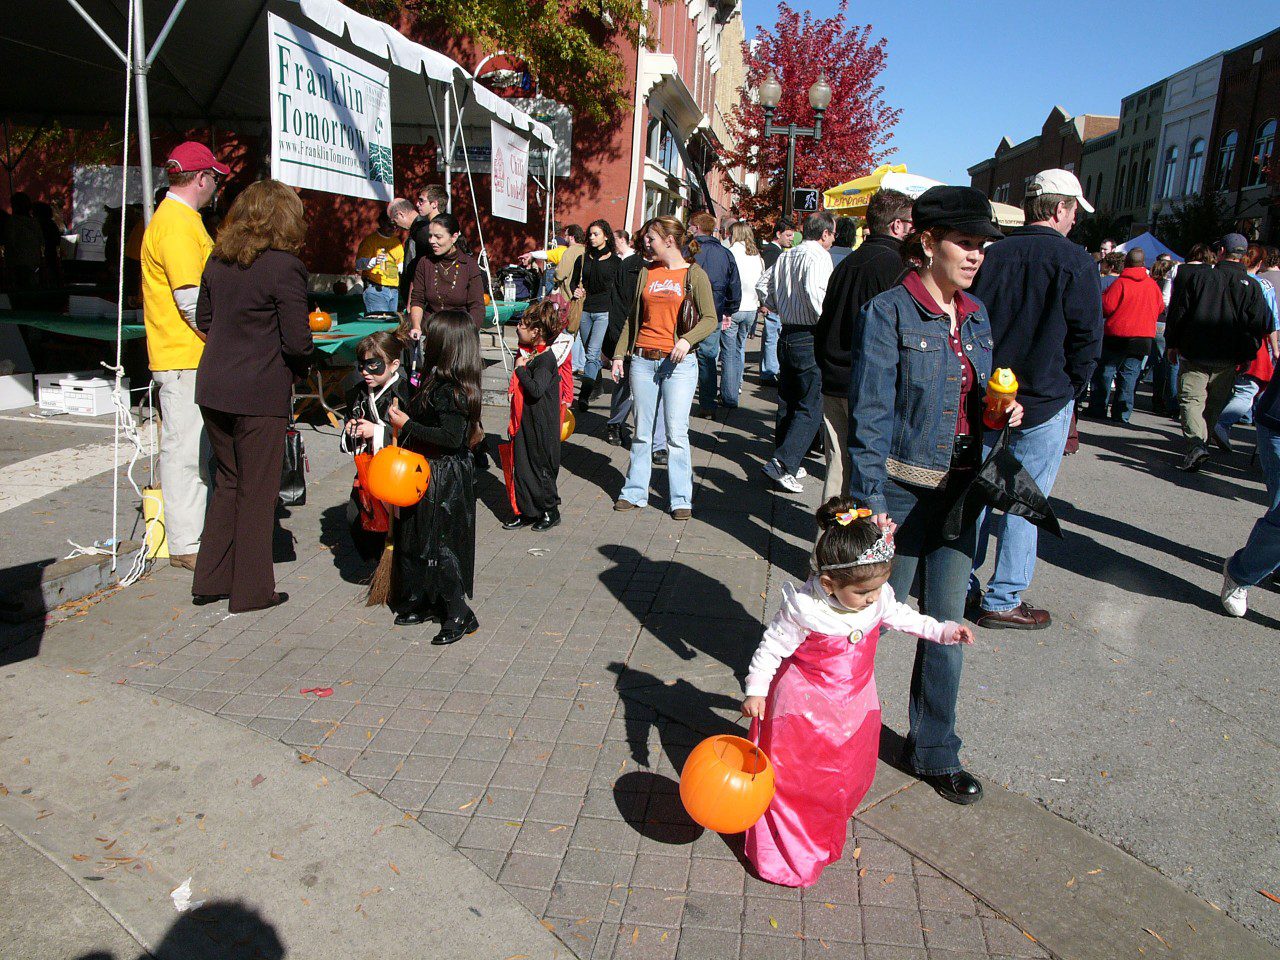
{"x": 191, "y": 156}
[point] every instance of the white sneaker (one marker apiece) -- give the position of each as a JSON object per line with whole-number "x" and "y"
{"x": 790, "y": 483}
{"x": 1235, "y": 598}
{"x": 773, "y": 470}
{"x": 801, "y": 473}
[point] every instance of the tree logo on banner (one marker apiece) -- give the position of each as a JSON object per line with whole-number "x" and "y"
{"x": 380, "y": 168}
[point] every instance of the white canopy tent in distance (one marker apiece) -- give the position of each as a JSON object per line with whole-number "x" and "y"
{"x": 206, "y": 65}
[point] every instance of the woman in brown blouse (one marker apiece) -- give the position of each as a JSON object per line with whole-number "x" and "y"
{"x": 447, "y": 278}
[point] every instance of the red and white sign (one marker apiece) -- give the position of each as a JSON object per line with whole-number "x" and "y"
{"x": 510, "y": 174}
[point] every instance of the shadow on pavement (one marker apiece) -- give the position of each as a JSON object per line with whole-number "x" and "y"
{"x": 222, "y": 930}
{"x": 22, "y": 611}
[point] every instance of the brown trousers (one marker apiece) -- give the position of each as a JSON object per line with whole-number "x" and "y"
{"x": 235, "y": 554}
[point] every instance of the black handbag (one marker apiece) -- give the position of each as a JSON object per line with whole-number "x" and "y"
{"x": 293, "y": 477}
{"x": 1001, "y": 483}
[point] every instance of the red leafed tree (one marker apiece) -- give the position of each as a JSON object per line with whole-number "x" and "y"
{"x": 856, "y": 127}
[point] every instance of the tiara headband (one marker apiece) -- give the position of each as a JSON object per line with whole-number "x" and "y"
{"x": 879, "y": 552}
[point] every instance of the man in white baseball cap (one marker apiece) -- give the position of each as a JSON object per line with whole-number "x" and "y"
{"x": 1062, "y": 182}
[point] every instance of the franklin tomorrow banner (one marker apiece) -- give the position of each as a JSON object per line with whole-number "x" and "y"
{"x": 330, "y": 116}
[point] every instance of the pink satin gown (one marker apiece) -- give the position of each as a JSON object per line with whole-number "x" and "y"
{"x": 822, "y": 732}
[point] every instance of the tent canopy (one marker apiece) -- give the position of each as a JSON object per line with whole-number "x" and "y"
{"x": 1150, "y": 245}
{"x": 210, "y": 65}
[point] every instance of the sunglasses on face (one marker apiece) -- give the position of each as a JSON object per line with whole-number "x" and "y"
{"x": 374, "y": 365}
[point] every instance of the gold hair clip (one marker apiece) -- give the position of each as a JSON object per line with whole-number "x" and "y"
{"x": 846, "y": 518}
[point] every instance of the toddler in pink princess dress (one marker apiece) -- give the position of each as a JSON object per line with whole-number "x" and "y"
{"x": 811, "y": 690}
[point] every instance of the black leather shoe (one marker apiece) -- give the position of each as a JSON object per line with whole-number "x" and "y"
{"x": 613, "y": 435}
{"x": 549, "y": 519}
{"x": 959, "y": 787}
{"x": 515, "y": 523}
{"x": 410, "y": 619}
{"x": 660, "y": 458}
{"x": 204, "y": 599}
{"x": 455, "y": 628}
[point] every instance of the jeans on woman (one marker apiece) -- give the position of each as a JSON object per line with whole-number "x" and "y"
{"x": 622, "y": 403}
{"x": 1260, "y": 556}
{"x": 942, "y": 567}
{"x": 1123, "y": 369}
{"x": 1240, "y": 406}
{"x": 654, "y": 381}
{"x": 733, "y": 356}
{"x": 769, "y": 347}
{"x": 591, "y": 333}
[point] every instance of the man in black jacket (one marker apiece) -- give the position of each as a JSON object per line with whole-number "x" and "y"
{"x": 1044, "y": 298}
{"x": 868, "y": 271}
{"x": 726, "y": 286}
{"x": 429, "y": 202}
{"x": 1217, "y": 319}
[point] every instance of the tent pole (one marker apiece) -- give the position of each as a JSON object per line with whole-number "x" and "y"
{"x": 448, "y": 154}
{"x": 140, "y": 68}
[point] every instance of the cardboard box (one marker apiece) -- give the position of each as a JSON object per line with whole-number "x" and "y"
{"x": 16, "y": 390}
{"x": 90, "y": 398}
{"x": 49, "y": 389}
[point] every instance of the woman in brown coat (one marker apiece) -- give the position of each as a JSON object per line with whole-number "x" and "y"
{"x": 252, "y": 313}
{"x": 446, "y": 278}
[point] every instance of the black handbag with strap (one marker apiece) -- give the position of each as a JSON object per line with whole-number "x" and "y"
{"x": 293, "y": 475}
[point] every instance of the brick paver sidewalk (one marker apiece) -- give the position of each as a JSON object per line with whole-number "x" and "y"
{"x": 516, "y": 745}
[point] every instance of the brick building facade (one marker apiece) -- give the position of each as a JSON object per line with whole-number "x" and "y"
{"x": 1004, "y": 177}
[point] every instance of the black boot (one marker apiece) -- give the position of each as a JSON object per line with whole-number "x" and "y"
{"x": 613, "y": 435}
{"x": 585, "y": 391}
{"x": 549, "y": 519}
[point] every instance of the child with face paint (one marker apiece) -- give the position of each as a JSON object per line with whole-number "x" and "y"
{"x": 367, "y": 429}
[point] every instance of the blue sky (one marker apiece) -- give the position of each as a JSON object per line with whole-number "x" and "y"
{"x": 963, "y": 75}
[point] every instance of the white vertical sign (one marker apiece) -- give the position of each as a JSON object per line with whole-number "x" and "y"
{"x": 330, "y": 116}
{"x": 510, "y": 173}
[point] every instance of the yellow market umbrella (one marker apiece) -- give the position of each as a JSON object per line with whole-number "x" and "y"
{"x": 852, "y": 198}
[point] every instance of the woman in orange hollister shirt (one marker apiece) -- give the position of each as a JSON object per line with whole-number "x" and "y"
{"x": 662, "y": 363}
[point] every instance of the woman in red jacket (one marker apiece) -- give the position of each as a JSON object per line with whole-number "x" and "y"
{"x": 1131, "y": 306}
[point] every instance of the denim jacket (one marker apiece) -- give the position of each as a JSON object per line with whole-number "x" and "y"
{"x": 904, "y": 392}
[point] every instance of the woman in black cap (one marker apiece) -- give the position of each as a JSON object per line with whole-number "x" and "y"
{"x": 921, "y": 358}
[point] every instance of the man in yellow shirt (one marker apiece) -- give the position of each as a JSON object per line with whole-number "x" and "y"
{"x": 174, "y": 249}
{"x": 380, "y": 260}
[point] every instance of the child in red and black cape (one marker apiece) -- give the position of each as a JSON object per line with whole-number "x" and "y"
{"x": 367, "y": 431}
{"x": 531, "y": 460}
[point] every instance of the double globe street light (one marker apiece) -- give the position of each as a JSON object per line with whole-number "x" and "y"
{"x": 769, "y": 94}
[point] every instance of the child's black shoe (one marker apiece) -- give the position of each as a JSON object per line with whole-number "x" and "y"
{"x": 516, "y": 522}
{"x": 549, "y": 519}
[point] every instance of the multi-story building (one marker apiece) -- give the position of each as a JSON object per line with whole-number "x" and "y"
{"x": 1136, "y": 140}
{"x": 1190, "y": 103}
{"x": 1097, "y": 167}
{"x": 1242, "y": 149}
{"x": 1004, "y": 177}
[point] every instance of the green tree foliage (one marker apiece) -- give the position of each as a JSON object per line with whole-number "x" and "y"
{"x": 1199, "y": 219}
{"x": 570, "y": 46}
{"x": 1092, "y": 228}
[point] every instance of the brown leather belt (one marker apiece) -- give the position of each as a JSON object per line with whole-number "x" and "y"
{"x": 645, "y": 354}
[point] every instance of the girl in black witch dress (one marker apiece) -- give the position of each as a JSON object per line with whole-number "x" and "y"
{"x": 534, "y": 426}
{"x": 367, "y": 431}
{"x": 435, "y": 540}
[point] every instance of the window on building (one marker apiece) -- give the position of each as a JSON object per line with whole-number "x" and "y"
{"x": 1088, "y": 186}
{"x": 1168, "y": 174}
{"x": 1144, "y": 185}
{"x": 1226, "y": 160}
{"x": 1195, "y": 167}
{"x": 1120, "y": 188}
{"x": 1097, "y": 197}
{"x": 1132, "y": 192}
{"x": 1264, "y": 146}
{"x": 662, "y": 148}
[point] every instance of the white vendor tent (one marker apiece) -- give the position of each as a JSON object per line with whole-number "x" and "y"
{"x": 180, "y": 64}
{"x": 1150, "y": 245}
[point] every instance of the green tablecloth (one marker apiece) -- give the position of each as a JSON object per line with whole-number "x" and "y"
{"x": 92, "y": 328}
{"x": 344, "y": 351}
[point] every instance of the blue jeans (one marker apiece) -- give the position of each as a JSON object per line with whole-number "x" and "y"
{"x": 942, "y": 566}
{"x": 1240, "y": 406}
{"x": 799, "y": 397}
{"x": 1118, "y": 367}
{"x": 654, "y": 381}
{"x": 380, "y": 299}
{"x": 1164, "y": 376}
{"x": 769, "y": 347}
{"x": 591, "y": 333}
{"x": 1260, "y": 555}
{"x": 622, "y": 403}
{"x": 577, "y": 354}
{"x": 1039, "y": 450}
{"x": 708, "y": 374}
{"x": 733, "y": 356}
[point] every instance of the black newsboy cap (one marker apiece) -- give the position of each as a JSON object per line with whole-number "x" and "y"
{"x": 959, "y": 208}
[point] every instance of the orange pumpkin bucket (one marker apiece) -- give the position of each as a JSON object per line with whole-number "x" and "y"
{"x": 727, "y": 784}
{"x": 568, "y": 423}
{"x": 398, "y": 476}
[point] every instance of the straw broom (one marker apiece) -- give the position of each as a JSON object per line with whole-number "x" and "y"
{"x": 380, "y": 584}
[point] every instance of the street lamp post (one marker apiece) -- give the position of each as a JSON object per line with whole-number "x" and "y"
{"x": 770, "y": 94}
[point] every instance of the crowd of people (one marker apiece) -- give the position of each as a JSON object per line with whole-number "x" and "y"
{"x": 885, "y": 349}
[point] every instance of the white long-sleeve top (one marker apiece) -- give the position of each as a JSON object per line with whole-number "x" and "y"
{"x": 808, "y": 609}
{"x": 796, "y": 285}
{"x": 750, "y": 269}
